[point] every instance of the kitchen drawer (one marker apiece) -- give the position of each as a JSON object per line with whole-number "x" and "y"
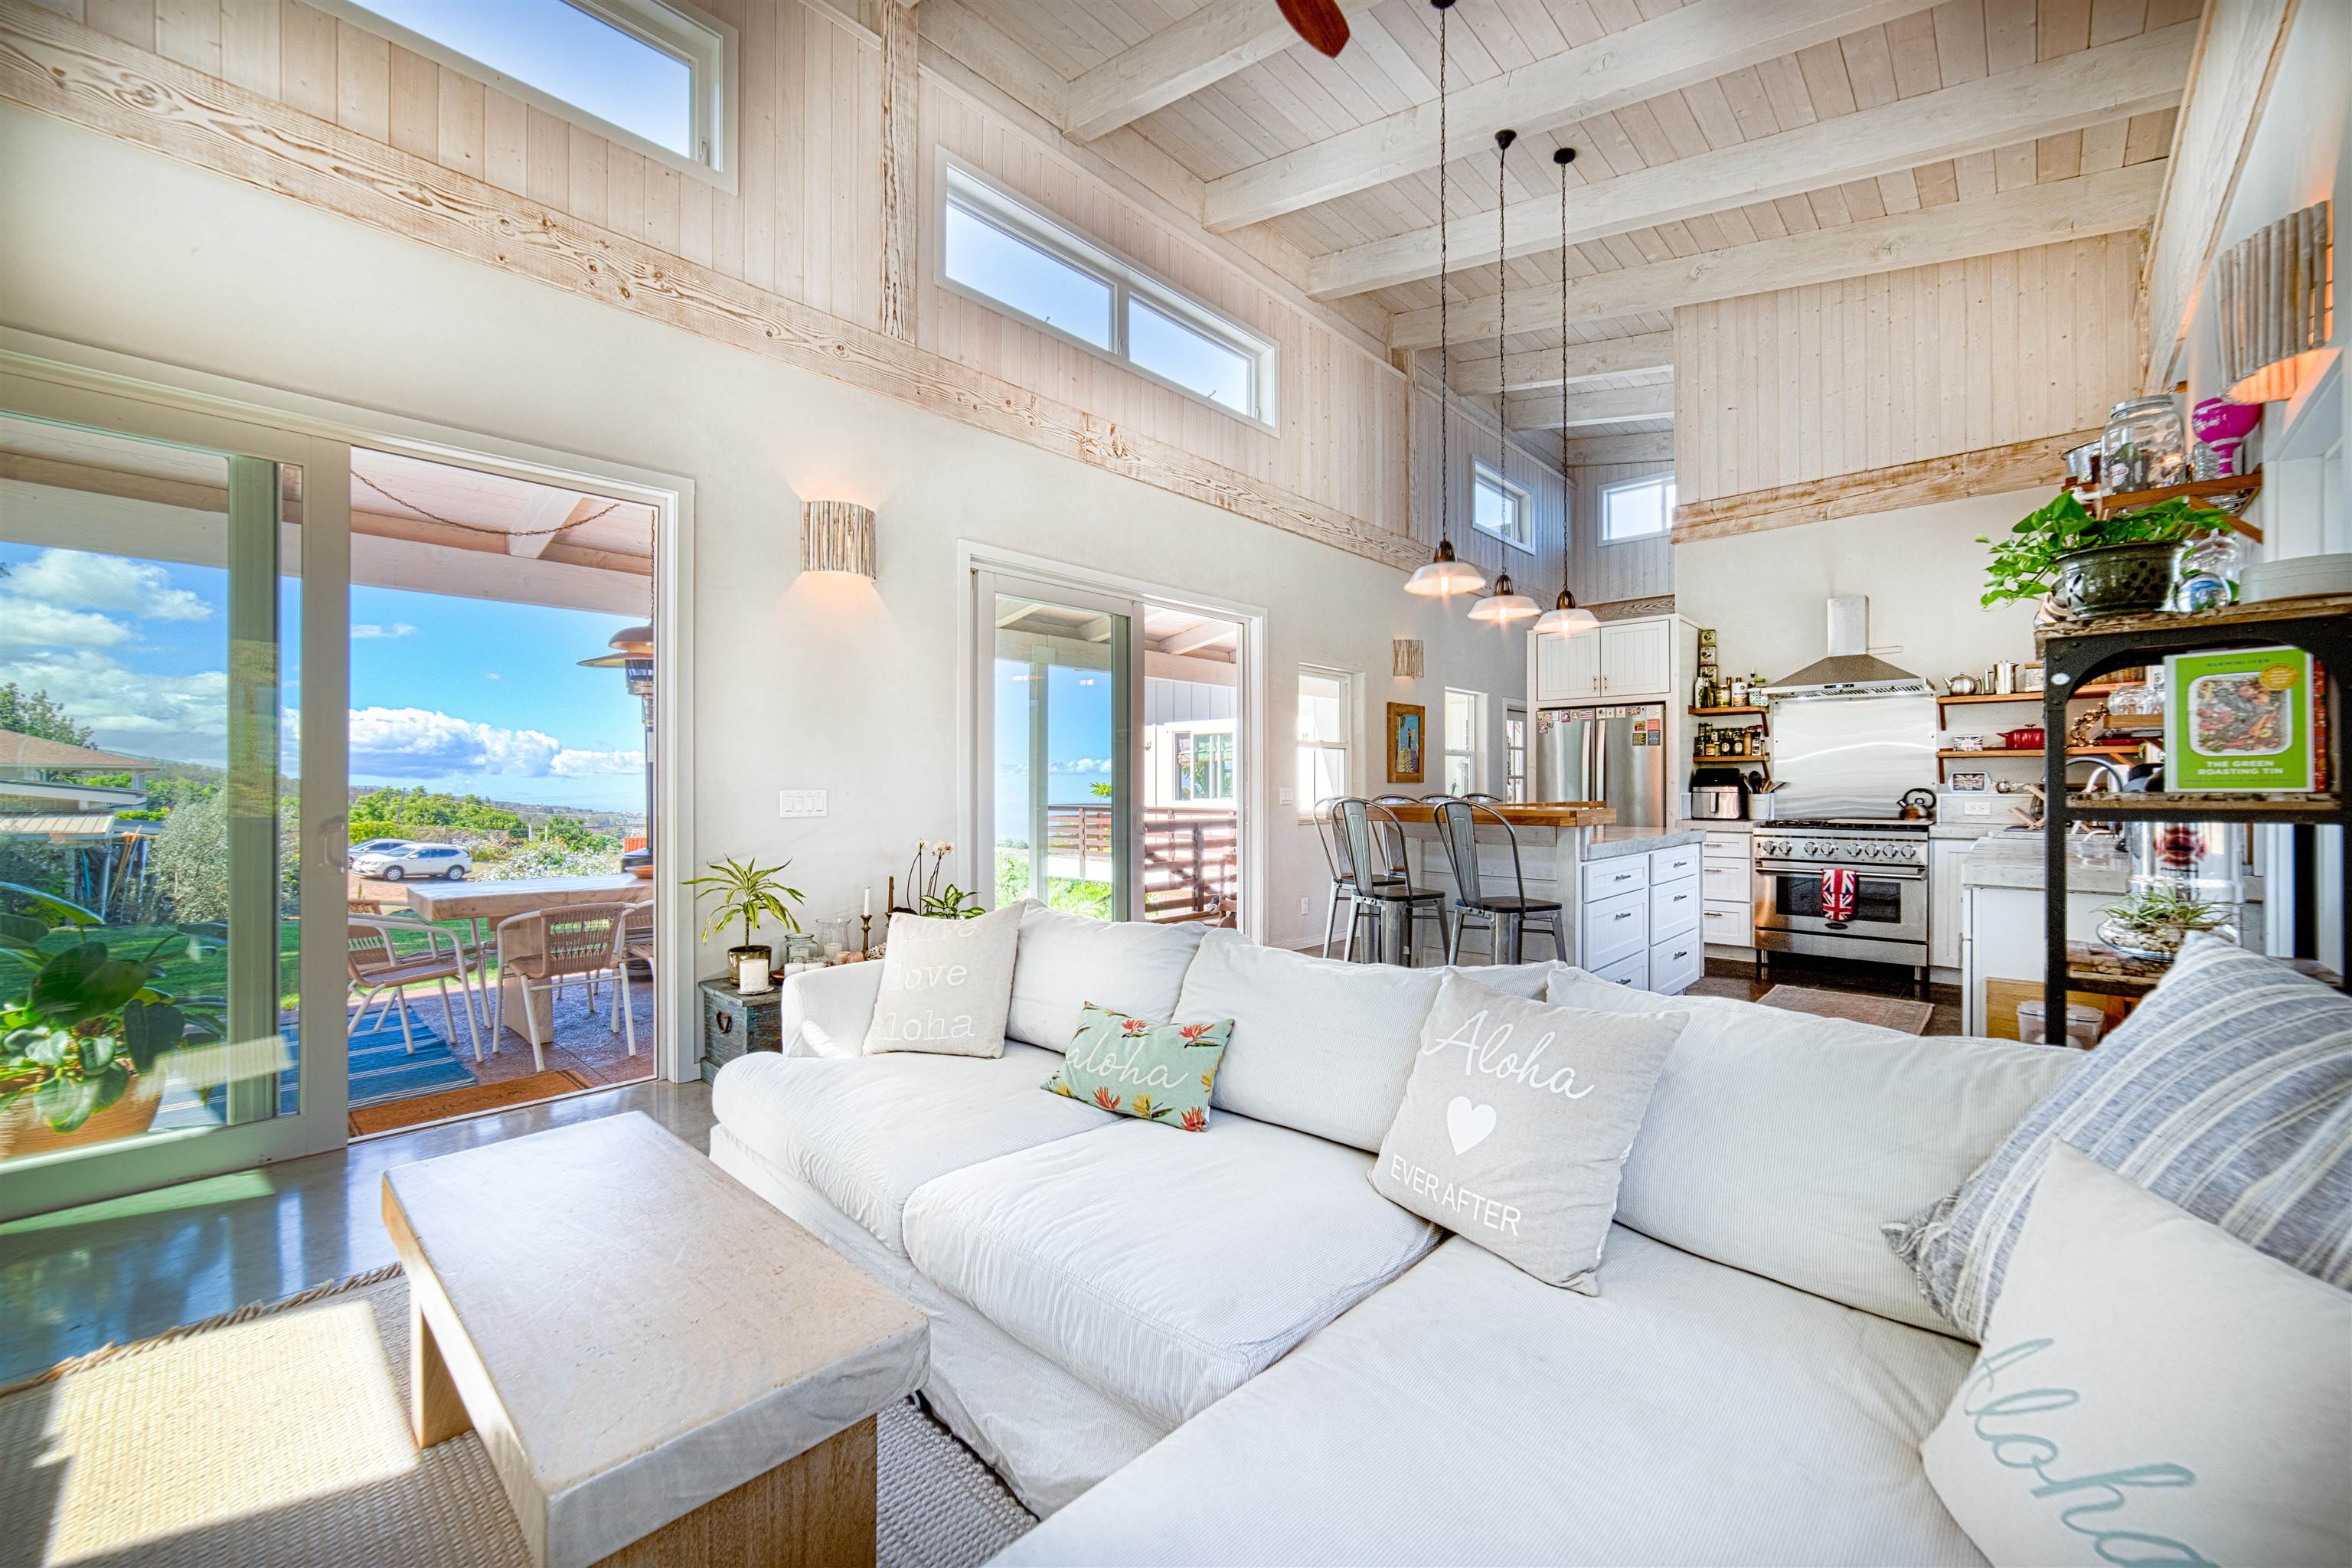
{"x": 1727, "y": 884}
{"x": 1614, "y": 928}
{"x": 1676, "y": 961}
{"x": 1738, "y": 846}
{"x": 1633, "y": 971}
{"x": 1607, "y": 879}
{"x": 1732, "y": 925}
{"x": 1672, "y": 864}
{"x": 1673, "y": 907}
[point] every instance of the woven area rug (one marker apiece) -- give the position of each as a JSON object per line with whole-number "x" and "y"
{"x": 467, "y": 1101}
{"x": 278, "y": 1434}
{"x": 1886, "y": 1012}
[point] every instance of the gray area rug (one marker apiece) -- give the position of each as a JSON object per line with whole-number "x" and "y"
{"x": 278, "y": 1435}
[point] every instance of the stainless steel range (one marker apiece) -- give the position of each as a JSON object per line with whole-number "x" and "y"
{"x": 1797, "y": 909}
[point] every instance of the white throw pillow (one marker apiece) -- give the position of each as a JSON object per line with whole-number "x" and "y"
{"x": 1516, "y": 1122}
{"x": 1780, "y": 1142}
{"x": 1318, "y": 1045}
{"x": 2152, "y": 1389}
{"x": 945, "y": 985}
{"x": 1064, "y": 962}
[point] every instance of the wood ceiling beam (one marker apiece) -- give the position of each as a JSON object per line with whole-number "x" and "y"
{"x": 1631, "y": 355}
{"x": 543, "y": 515}
{"x": 1607, "y": 405}
{"x": 2237, "y": 60}
{"x": 1643, "y": 446}
{"x": 1194, "y": 638}
{"x": 1201, "y": 51}
{"x": 2140, "y": 75}
{"x": 2081, "y": 208}
{"x": 1695, "y": 44}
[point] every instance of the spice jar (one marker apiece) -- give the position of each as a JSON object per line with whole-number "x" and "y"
{"x": 2144, "y": 448}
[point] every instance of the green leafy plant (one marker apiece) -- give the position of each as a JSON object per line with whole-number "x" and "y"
{"x": 2162, "y": 918}
{"x": 2025, "y": 563}
{"x": 746, "y": 892}
{"x": 952, "y": 904}
{"x": 78, "y": 1025}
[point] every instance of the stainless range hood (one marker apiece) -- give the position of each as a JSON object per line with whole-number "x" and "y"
{"x": 1849, "y": 670}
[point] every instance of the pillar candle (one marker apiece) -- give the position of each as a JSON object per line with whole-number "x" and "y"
{"x": 751, "y": 978}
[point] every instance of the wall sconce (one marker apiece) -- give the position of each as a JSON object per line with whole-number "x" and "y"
{"x": 837, "y": 536}
{"x": 1405, "y": 654}
{"x": 2272, "y": 304}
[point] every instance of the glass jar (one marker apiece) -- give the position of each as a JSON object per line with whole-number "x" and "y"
{"x": 2145, "y": 447}
{"x": 2206, "y": 571}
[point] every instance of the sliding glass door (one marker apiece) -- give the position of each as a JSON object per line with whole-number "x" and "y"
{"x": 170, "y": 901}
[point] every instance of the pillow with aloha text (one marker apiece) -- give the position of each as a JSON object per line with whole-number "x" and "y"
{"x": 1517, "y": 1121}
{"x": 1154, "y": 1072}
{"x": 947, "y": 986}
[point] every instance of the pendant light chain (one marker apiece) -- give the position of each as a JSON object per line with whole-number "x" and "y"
{"x": 1565, "y": 619}
{"x": 1444, "y": 338}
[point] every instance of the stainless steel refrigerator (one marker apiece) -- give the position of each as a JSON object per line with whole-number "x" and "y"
{"x": 1616, "y": 754}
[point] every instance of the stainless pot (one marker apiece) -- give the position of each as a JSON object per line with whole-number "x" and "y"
{"x": 1962, "y": 686}
{"x": 2001, "y": 678}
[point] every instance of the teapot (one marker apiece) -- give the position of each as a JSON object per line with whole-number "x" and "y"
{"x": 1962, "y": 686}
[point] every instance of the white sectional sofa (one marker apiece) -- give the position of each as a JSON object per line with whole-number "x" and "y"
{"x": 1226, "y": 1347}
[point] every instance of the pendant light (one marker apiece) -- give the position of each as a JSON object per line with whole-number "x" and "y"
{"x": 1443, "y": 576}
{"x": 1565, "y": 619}
{"x": 1507, "y": 604}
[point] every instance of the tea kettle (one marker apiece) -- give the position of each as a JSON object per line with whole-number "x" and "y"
{"x": 1918, "y": 804}
{"x": 1962, "y": 686}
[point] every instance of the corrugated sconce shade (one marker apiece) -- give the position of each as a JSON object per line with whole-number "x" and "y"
{"x": 1405, "y": 653}
{"x": 2272, "y": 304}
{"x": 837, "y": 536}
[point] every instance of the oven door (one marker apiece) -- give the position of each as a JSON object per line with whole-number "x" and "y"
{"x": 1890, "y": 903}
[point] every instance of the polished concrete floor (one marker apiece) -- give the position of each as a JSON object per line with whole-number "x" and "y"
{"x": 110, "y": 1272}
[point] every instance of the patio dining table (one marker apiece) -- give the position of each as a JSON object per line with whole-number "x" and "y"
{"x": 494, "y": 901}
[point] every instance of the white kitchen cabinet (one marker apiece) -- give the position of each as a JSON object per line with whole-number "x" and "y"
{"x": 1567, "y": 669}
{"x": 1944, "y": 900}
{"x": 1637, "y": 658}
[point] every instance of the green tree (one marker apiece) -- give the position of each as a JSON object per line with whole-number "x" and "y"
{"x": 33, "y": 713}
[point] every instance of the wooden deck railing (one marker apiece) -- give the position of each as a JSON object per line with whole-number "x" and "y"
{"x": 1192, "y": 856}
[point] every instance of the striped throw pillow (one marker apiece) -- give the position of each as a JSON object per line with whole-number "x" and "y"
{"x": 2229, "y": 1091}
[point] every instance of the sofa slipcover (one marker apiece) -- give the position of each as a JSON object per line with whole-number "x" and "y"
{"x": 1467, "y": 1413}
{"x": 1165, "y": 1267}
{"x": 868, "y": 1130}
{"x": 1066, "y": 961}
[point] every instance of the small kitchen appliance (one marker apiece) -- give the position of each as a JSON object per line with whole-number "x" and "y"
{"x": 1718, "y": 795}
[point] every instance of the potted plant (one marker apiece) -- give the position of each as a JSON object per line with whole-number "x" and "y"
{"x": 2154, "y": 923}
{"x": 750, "y": 893}
{"x": 2091, "y": 565}
{"x": 932, "y": 900}
{"x": 82, "y": 1031}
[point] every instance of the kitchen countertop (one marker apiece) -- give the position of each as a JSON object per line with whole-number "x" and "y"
{"x": 1705, "y": 824}
{"x": 2015, "y": 861}
{"x": 1608, "y": 843}
{"x": 1549, "y": 814}
{"x": 1967, "y": 827}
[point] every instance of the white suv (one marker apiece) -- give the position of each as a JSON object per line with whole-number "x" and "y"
{"x": 402, "y": 861}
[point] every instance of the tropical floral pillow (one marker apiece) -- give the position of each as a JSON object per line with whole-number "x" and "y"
{"x": 1155, "y": 1072}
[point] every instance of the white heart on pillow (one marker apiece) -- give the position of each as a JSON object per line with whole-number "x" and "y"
{"x": 1467, "y": 1124}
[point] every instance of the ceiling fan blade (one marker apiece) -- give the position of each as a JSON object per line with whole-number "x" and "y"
{"x": 1319, "y": 22}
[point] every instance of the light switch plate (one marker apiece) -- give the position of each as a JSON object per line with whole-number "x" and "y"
{"x": 1283, "y": 795}
{"x": 800, "y": 803}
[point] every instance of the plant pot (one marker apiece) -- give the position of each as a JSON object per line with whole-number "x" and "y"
{"x": 24, "y": 1132}
{"x": 736, "y": 955}
{"x": 2117, "y": 579}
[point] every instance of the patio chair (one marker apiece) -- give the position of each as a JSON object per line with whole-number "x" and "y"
{"x": 633, "y": 940}
{"x": 377, "y": 967}
{"x": 538, "y": 950}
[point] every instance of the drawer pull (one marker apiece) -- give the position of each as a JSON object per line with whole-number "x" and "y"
{"x": 726, "y": 1022}
{"x": 1624, "y": 914}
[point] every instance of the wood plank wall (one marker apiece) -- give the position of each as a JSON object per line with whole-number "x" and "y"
{"x": 1473, "y": 437}
{"x": 1603, "y": 573}
{"x": 1840, "y": 378}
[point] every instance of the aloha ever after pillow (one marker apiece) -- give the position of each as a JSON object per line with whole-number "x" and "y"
{"x": 1517, "y": 1121}
{"x": 2152, "y": 1389}
{"x": 1154, "y": 1072}
{"x": 946, "y": 985}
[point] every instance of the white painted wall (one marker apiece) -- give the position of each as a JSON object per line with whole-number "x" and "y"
{"x": 801, "y": 682}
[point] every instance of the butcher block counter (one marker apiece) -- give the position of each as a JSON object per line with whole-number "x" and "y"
{"x": 1556, "y": 814}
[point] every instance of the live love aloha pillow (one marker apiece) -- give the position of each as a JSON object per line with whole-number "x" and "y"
{"x": 1155, "y": 1072}
{"x": 946, "y": 985}
{"x": 1517, "y": 1121}
{"x": 2152, "y": 1389}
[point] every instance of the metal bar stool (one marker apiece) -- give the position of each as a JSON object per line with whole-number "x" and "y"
{"x": 1508, "y": 915}
{"x": 1334, "y": 839}
{"x": 1393, "y": 906}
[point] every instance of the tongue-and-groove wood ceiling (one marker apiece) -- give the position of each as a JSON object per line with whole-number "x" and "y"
{"x": 1701, "y": 129}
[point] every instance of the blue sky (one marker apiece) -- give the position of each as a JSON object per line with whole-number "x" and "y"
{"x": 1078, "y": 739}
{"x": 455, "y": 694}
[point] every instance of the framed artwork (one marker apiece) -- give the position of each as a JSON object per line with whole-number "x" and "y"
{"x": 1408, "y": 729}
{"x": 1969, "y": 784}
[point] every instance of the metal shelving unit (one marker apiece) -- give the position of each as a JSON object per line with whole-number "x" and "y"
{"x": 2320, "y": 626}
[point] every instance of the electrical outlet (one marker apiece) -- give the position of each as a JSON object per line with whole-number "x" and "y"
{"x": 1302, "y": 910}
{"x": 800, "y": 803}
{"x": 1976, "y": 808}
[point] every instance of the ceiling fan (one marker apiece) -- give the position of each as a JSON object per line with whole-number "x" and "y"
{"x": 1319, "y": 22}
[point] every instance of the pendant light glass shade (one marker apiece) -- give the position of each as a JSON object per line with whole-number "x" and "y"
{"x": 1506, "y": 604}
{"x": 1444, "y": 576}
{"x": 1564, "y": 619}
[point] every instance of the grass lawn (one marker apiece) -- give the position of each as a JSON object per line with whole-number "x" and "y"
{"x": 206, "y": 974}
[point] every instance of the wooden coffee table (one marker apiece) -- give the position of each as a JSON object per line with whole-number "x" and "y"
{"x": 664, "y": 1369}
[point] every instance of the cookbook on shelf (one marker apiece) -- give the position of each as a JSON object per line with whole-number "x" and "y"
{"x": 2239, "y": 720}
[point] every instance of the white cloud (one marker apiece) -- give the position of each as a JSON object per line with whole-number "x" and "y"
{"x": 29, "y": 623}
{"x": 492, "y": 675}
{"x": 1079, "y": 765}
{"x": 417, "y": 742}
{"x": 182, "y": 716}
{"x": 76, "y": 580}
{"x": 368, "y": 631}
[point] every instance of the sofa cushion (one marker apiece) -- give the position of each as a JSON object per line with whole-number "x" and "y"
{"x": 945, "y": 985}
{"x": 1781, "y": 1143}
{"x": 1467, "y": 1413}
{"x": 1133, "y": 1067}
{"x": 2229, "y": 1090}
{"x": 1318, "y": 1045}
{"x": 866, "y": 1132}
{"x": 2235, "y": 1452}
{"x": 1165, "y": 1270}
{"x": 1066, "y": 961}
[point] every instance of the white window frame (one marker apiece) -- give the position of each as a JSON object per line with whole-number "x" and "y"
{"x": 1345, "y": 745}
{"x": 1665, "y": 482}
{"x": 1521, "y": 502}
{"x": 1477, "y": 750}
{"x": 706, "y": 46}
{"x": 962, "y": 186}
{"x": 1514, "y": 712}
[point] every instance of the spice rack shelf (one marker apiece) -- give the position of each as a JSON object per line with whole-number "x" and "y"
{"x": 1722, "y": 712}
{"x": 2131, "y": 751}
{"x": 1728, "y": 762}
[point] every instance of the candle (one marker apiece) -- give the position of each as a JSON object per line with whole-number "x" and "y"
{"x": 751, "y": 977}
{"x": 869, "y": 901}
